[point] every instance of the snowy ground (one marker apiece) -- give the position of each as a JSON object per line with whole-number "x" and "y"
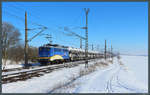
{"x": 46, "y": 83}
{"x": 139, "y": 66}
{"x": 116, "y": 78}
{"x": 129, "y": 75}
{"x": 10, "y": 64}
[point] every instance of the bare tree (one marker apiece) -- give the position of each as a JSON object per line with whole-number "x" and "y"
{"x": 16, "y": 53}
{"x": 10, "y": 38}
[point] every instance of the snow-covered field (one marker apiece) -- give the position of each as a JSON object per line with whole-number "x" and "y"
{"x": 117, "y": 78}
{"x": 128, "y": 75}
{"x": 139, "y": 66}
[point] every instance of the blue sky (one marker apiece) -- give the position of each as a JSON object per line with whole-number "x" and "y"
{"x": 122, "y": 24}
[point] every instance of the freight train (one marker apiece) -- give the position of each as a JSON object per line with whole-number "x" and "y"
{"x": 53, "y": 53}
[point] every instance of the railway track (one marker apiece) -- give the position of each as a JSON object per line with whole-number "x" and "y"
{"x": 24, "y": 74}
{"x": 14, "y": 69}
{"x": 30, "y": 67}
{"x": 20, "y": 68}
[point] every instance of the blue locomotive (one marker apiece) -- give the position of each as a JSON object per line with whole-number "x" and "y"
{"x": 53, "y": 53}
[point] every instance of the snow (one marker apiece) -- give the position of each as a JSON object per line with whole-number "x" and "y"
{"x": 10, "y": 64}
{"x": 116, "y": 78}
{"x": 128, "y": 75}
{"x": 43, "y": 84}
{"x": 31, "y": 68}
{"x": 138, "y": 65}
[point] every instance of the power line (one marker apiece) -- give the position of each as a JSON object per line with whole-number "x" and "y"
{"x": 72, "y": 33}
{"x": 22, "y": 19}
{"x": 35, "y": 15}
{"x": 14, "y": 16}
{"x": 31, "y": 22}
{"x": 69, "y": 5}
{"x": 38, "y": 17}
{"x": 30, "y": 14}
{"x": 59, "y": 37}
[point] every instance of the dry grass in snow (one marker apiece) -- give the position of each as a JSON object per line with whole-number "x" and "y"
{"x": 82, "y": 72}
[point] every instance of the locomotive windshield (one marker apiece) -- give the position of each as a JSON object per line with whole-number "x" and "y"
{"x": 44, "y": 51}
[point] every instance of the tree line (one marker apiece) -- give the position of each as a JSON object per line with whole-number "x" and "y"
{"x": 13, "y": 46}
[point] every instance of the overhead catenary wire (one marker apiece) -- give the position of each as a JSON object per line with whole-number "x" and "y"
{"x": 31, "y": 13}
{"x": 22, "y": 10}
{"x": 38, "y": 26}
{"x": 19, "y": 8}
{"x": 58, "y": 37}
{"x": 21, "y": 19}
